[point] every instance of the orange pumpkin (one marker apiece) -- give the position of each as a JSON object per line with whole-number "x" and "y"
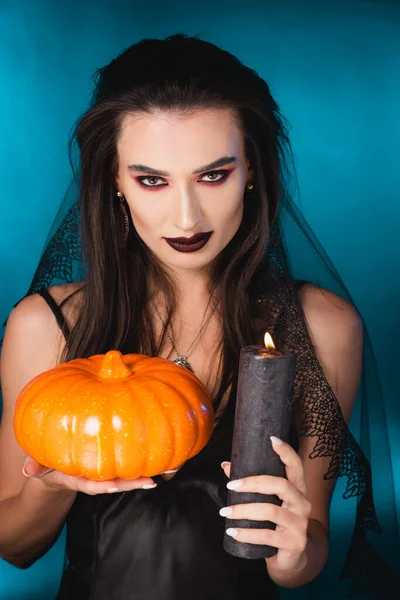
{"x": 112, "y": 416}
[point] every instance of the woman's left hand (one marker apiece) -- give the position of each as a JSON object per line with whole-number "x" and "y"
{"x": 290, "y": 535}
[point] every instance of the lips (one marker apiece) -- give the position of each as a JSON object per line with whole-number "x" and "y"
{"x": 182, "y": 244}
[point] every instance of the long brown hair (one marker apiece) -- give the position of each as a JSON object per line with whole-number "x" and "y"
{"x": 179, "y": 73}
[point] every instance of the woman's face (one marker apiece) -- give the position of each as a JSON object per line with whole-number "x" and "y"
{"x": 172, "y": 191}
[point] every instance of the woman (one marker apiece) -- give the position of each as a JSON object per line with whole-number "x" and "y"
{"x": 182, "y": 164}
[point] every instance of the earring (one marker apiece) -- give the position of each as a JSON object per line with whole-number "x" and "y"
{"x": 249, "y": 186}
{"x": 125, "y": 217}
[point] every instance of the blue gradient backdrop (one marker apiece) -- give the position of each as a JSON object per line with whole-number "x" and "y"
{"x": 334, "y": 70}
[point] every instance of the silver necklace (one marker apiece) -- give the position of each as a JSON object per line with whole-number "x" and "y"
{"x": 181, "y": 358}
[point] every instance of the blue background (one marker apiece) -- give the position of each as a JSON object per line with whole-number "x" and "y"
{"x": 333, "y": 68}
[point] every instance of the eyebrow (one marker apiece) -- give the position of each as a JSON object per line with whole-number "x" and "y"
{"x": 220, "y": 162}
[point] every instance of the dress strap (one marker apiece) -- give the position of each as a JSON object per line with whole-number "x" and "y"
{"x": 44, "y": 292}
{"x": 300, "y": 283}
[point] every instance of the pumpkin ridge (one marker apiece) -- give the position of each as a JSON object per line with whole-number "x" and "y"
{"x": 146, "y": 382}
{"x": 137, "y": 362}
{"x": 165, "y": 366}
{"x": 19, "y": 430}
{"x": 68, "y": 369}
{"x": 72, "y": 437}
{"x": 142, "y": 421}
{"x": 170, "y": 424}
{"x": 50, "y": 375}
{"x": 47, "y": 461}
{"x": 25, "y": 397}
{"x": 201, "y": 422}
{"x": 194, "y": 413}
{"x": 99, "y": 457}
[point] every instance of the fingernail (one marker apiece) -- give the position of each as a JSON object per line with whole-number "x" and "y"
{"x": 232, "y": 532}
{"x": 224, "y": 512}
{"x": 284, "y": 505}
{"x": 276, "y": 440}
{"x": 224, "y": 463}
{"x": 149, "y": 487}
{"x": 171, "y": 471}
{"x": 26, "y": 460}
{"x": 112, "y": 490}
{"x": 234, "y": 485}
{"x": 25, "y": 473}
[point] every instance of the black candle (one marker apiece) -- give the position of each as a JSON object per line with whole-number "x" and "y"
{"x": 263, "y": 408}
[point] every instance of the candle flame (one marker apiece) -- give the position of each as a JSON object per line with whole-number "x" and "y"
{"x": 269, "y": 344}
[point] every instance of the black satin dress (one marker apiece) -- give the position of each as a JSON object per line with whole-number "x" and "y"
{"x": 165, "y": 543}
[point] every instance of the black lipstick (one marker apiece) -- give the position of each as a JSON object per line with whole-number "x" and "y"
{"x": 182, "y": 244}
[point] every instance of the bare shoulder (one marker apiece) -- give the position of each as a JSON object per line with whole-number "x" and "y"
{"x": 337, "y": 333}
{"x": 33, "y": 343}
{"x": 328, "y": 314}
{"x": 32, "y": 337}
{"x": 31, "y": 315}
{"x": 32, "y": 324}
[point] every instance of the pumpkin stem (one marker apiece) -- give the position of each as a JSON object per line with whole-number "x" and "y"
{"x": 113, "y": 366}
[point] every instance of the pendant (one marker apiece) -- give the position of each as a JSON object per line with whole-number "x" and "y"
{"x": 183, "y": 363}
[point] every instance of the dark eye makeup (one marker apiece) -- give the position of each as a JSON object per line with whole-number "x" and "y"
{"x": 223, "y": 173}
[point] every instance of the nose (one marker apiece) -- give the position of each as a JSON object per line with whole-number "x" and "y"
{"x": 187, "y": 212}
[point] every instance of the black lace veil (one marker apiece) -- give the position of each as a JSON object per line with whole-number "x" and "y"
{"x": 367, "y": 563}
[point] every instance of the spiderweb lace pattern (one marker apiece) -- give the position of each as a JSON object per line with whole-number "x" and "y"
{"x": 62, "y": 253}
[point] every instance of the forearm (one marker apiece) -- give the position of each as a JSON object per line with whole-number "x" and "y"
{"x": 312, "y": 563}
{"x": 31, "y": 521}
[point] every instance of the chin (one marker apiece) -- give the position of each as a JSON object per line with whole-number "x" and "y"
{"x": 195, "y": 260}
{"x": 192, "y": 264}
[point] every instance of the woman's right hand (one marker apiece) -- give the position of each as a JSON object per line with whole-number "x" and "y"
{"x": 54, "y": 479}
